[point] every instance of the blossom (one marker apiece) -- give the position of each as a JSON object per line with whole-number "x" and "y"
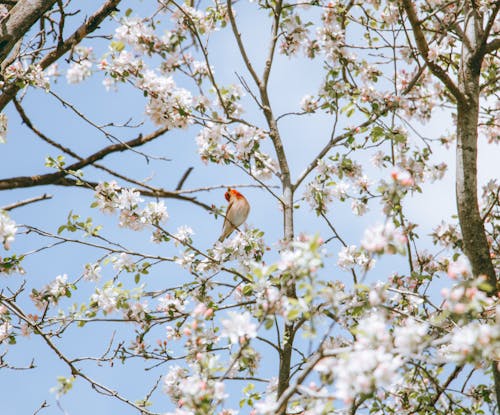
{"x": 303, "y": 257}
{"x": 136, "y": 33}
{"x": 5, "y": 329}
{"x": 409, "y": 338}
{"x": 8, "y": 230}
{"x": 238, "y": 326}
{"x": 92, "y": 272}
{"x": 106, "y": 299}
{"x": 155, "y": 213}
{"x": 57, "y": 287}
{"x": 171, "y": 305}
{"x": 349, "y": 256}
{"x": 459, "y": 268}
{"x": 3, "y": 127}
{"x": 384, "y": 239}
{"x": 168, "y": 104}
{"x": 123, "y": 261}
{"x": 79, "y": 71}
{"x": 473, "y": 342}
{"x": 308, "y": 104}
{"x": 403, "y": 177}
{"x": 183, "y": 234}
{"x": 106, "y": 195}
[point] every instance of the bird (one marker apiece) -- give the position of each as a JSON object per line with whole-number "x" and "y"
{"x": 236, "y": 213}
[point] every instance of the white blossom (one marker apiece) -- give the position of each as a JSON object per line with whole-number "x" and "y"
{"x": 8, "y": 230}
{"x": 5, "y": 329}
{"x": 92, "y": 272}
{"x": 3, "y": 128}
{"x": 238, "y": 326}
{"x": 79, "y": 71}
{"x": 384, "y": 239}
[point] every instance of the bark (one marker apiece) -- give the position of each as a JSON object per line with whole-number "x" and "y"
{"x": 475, "y": 243}
{"x": 90, "y": 24}
{"x": 19, "y": 20}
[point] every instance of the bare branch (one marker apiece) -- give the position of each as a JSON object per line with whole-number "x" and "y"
{"x": 52, "y": 178}
{"x": 21, "y": 17}
{"x": 16, "y": 205}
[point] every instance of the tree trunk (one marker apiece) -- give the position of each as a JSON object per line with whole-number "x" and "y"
{"x": 475, "y": 244}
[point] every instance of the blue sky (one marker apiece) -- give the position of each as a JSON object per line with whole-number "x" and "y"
{"x": 24, "y": 154}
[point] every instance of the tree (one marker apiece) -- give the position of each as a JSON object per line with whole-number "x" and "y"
{"x": 348, "y": 306}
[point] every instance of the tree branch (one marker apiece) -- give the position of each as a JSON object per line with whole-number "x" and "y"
{"x": 25, "y": 202}
{"x": 51, "y": 178}
{"x": 423, "y": 48}
{"x": 20, "y": 19}
{"x": 90, "y": 25}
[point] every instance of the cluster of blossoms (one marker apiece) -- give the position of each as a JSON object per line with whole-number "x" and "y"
{"x": 245, "y": 247}
{"x": 173, "y": 305}
{"x": 8, "y": 230}
{"x": 168, "y": 104}
{"x": 384, "y": 239}
{"x": 447, "y": 235}
{"x": 366, "y": 366}
{"x": 32, "y": 75}
{"x": 81, "y": 68}
{"x": 323, "y": 189}
{"x": 205, "y": 22}
{"x": 302, "y": 256}
{"x": 195, "y": 390}
{"x": 113, "y": 297}
{"x": 111, "y": 197}
{"x": 474, "y": 342}
{"x": 351, "y": 256}
{"x": 295, "y": 36}
{"x": 52, "y": 292}
{"x": 468, "y": 297}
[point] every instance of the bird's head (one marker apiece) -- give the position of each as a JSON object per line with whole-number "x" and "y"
{"x": 232, "y": 193}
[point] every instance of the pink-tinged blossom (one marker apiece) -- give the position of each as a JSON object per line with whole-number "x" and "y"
{"x": 137, "y": 33}
{"x": 79, "y": 71}
{"x": 183, "y": 235}
{"x": 106, "y": 195}
{"x": 123, "y": 261}
{"x": 309, "y": 104}
{"x": 171, "y": 305}
{"x": 460, "y": 268}
{"x": 92, "y": 272}
{"x": 474, "y": 342}
{"x": 350, "y": 256}
{"x": 8, "y": 230}
{"x": 467, "y": 297}
{"x": 172, "y": 380}
{"x": 238, "y": 326}
{"x": 410, "y": 337}
{"x": 382, "y": 239}
{"x": 5, "y": 329}
{"x": 106, "y": 299}
{"x": 402, "y": 177}
{"x": 155, "y": 213}
{"x": 210, "y": 144}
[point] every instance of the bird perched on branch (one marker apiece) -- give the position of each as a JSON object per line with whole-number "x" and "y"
{"x": 236, "y": 213}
